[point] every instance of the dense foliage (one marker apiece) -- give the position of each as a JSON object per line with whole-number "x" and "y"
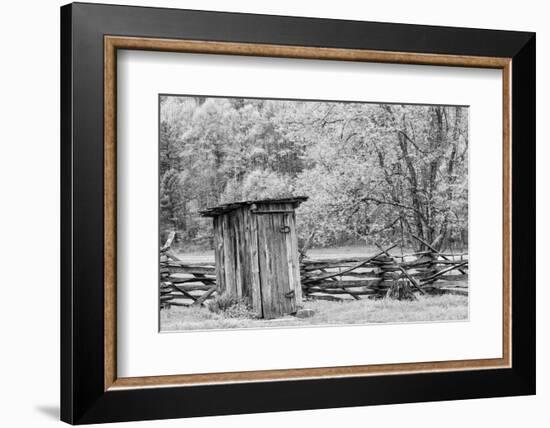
{"x": 373, "y": 172}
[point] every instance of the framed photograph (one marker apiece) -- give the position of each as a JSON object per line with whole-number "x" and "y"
{"x": 276, "y": 213}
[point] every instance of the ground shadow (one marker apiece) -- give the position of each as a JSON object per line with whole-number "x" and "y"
{"x": 51, "y": 411}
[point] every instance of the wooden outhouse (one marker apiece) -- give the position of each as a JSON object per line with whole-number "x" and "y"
{"x": 256, "y": 251}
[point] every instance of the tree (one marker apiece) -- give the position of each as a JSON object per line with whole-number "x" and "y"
{"x": 373, "y": 172}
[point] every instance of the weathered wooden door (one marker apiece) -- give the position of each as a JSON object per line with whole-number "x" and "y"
{"x": 277, "y": 262}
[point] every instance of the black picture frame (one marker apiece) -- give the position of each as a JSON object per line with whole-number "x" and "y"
{"x": 83, "y": 398}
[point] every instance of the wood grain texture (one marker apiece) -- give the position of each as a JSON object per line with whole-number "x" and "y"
{"x": 109, "y": 198}
{"x": 256, "y": 292}
{"x": 258, "y": 255}
{"x": 237, "y": 232}
{"x": 246, "y": 281}
{"x": 294, "y": 281}
{"x": 276, "y": 257}
{"x": 112, "y": 43}
{"x": 230, "y": 48}
{"x": 219, "y": 255}
{"x": 265, "y": 265}
{"x": 297, "y": 374}
{"x": 229, "y": 256}
{"x": 292, "y": 247}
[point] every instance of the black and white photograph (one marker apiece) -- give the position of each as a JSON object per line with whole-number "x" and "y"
{"x": 275, "y": 214}
{"x": 285, "y": 213}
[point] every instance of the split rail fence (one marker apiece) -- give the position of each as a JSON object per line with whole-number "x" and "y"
{"x": 424, "y": 272}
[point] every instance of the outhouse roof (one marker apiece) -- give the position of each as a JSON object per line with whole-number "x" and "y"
{"x": 225, "y": 208}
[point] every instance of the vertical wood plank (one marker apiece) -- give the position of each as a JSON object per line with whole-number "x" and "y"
{"x": 264, "y": 258}
{"x": 285, "y": 300}
{"x": 295, "y": 273}
{"x": 229, "y": 258}
{"x": 246, "y": 265}
{"x": 219, "y": 255}
{"x": 255, "y": 282}
{"x": 275, "y": 256}
{"x": 236, "y": 230}
{"x": 243, "y": 258}
{"x": 279, "y": 258}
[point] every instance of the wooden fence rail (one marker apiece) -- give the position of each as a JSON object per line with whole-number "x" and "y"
{"x": 429, "y": 272}
{"x": 185, "y": 284}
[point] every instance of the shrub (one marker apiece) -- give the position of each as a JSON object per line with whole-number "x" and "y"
{"x": 231, "y": 307}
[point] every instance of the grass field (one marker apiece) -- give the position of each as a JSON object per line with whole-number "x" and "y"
{"x": 431, "y": 308}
